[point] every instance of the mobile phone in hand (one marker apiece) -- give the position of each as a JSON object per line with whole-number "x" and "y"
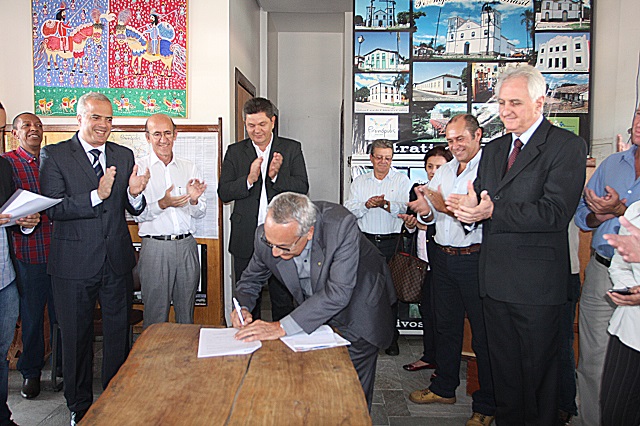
{"x": 624, "y": 291}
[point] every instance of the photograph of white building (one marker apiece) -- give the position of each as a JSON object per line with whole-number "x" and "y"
{"x": 384, "y": 93}
{"x": 445, "y": 84}
{"x": 383, "y": 60}
{"x": 468, "y": 37}
{"x": 560, "y": 10}
{"x": 563, "y": 53}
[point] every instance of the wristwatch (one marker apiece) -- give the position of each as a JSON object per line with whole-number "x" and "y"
{"x": 385, "y": 205}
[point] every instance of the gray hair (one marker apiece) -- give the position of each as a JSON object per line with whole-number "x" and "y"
{"x": 535, "y": 81}
{"x": 381, "y": 143}
{"x": 90, "y": 96}
{"x": 290, "y": 207}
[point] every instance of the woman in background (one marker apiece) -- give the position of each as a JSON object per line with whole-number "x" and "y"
{"x": 433, "y": 159}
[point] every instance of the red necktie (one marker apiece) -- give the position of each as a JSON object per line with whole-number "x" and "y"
{"x": 517, "y": 147}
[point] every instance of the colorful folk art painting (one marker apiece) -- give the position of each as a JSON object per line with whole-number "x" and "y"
{"x": 133, "y": 51}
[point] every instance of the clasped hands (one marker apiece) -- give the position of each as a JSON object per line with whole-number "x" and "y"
{"x": 255, "y": 330}
{"x": 606, "y": 207}
{"x": 195, "y": 189}
{"x": 464, "y": 207}
{"x": 137, "y": 184}
{"x": 375, "y": 201}
{"x": 255, "y": 169}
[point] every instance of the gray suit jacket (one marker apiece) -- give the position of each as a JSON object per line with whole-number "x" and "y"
{"x": 85, "y": 237}
{"x": 352, "y": 287}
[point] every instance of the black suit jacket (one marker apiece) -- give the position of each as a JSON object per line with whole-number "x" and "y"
{"x": 524, "y": 257}
{"x": 351, "y": 282}
{"x": 233, "y": 187}
{"x": 85, "y": 237}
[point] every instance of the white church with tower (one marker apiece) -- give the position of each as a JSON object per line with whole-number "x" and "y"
{"x": 467, "y": 37}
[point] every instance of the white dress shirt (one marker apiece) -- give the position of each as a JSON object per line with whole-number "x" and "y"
{"x": 395, "y": 186}
{"x": 264, "y": 201}
{"x": 449, "y": 231}
{"x": 625, "y": 319}
{"x": 172, "y": 220}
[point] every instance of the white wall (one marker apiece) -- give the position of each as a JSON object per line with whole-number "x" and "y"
{"x": 310, "y": 95}
{"x": 614, "y": 66}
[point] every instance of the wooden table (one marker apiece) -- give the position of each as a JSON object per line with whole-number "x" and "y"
{"x": 164, "y": 383}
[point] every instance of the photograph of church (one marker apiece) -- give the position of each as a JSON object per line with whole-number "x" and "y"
{"x": 473, "y": 31}
{"x": 563, "y": 15}
{"x": 381, "y": 14}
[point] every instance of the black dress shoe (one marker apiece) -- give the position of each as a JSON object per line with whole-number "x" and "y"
{"x": 30, "y": 388}
{"x": 393, "y": 350}
{"x": 413, "y": 367}
{"x": 76, "y": 416}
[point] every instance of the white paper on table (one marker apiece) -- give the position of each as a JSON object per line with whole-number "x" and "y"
{"x": 23, "y": 203}
{"x": 222, "y": 342}
{"x": 322, "y": 338}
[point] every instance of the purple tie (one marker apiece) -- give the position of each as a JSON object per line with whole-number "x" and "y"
{"x": 517, "y": 147}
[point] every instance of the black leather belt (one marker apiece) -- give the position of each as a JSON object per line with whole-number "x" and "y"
{"x": 168, "y": 237}
{"x": 381, "y": 237}
{"x": 458, "y": 251}
{"x": 601, "y": 259}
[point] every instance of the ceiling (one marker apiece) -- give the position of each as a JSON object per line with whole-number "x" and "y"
{"x": 306, "y": 6}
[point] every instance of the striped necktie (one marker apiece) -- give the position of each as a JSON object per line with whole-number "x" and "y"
{"x": 97, "y": 167}
{"x": 517, "y": 147}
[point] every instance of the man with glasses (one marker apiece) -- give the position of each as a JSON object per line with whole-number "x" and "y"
{"x": 376, "y": 199}
{"x": 334, "y": 274}
{"x": 168, "y": 267}
{"x": 91, "y": 255}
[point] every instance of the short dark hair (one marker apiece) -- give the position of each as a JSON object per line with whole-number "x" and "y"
{"x": 1, "y": 106}
{"x": 14, "y": 123}
{"x": 470, "y": 122}
{"x": 381, "y": 143}
{"x": 256, "y": 105}
{"x": 438, "y": 151}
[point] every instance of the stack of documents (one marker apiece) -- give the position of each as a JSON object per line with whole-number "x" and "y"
{"x": 222, "y": 342}
{"x": 322, "y": 338}
{"x": 23, "y": 203}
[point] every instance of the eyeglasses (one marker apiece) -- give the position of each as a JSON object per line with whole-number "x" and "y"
{"x": 157, "y": 135}
{"x": 382, "y": 157}
{"x": 263, "y": 238}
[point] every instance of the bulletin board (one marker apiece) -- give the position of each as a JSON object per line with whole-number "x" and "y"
{"x": 201, "y": 144}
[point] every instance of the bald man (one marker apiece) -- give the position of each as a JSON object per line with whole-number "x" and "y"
{"x": 169, "y": 268}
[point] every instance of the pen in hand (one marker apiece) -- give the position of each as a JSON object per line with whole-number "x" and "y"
{"x": 238, "y": 310}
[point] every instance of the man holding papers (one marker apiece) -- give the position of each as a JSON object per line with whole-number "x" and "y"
{"x": 313, "y": 249}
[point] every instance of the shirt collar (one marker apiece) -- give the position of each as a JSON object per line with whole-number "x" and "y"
{"x": 258, "y": 149}
{"x": 25, "y": 155}
{"x": 88, "y": 147}
{"x": 389, "y": 175}
{"x": 153, "y": 158}
{"x": 524, "y": 138}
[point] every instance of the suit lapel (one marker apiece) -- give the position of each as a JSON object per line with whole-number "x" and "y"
{"x": 80, "y": 156}
{"x": 317, "y": 253}
{"x": 249, "y": 152}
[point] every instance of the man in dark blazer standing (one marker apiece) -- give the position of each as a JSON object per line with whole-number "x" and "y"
{"x": 91, "y": 253}
{"x": 526, "y": 192}
{"x": 334, "y": 273}
{"x": 253, "y": 171}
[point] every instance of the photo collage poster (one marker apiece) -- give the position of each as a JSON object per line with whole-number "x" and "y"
{"x": 135, "y": 52}
{"x": 419, "y": 62}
